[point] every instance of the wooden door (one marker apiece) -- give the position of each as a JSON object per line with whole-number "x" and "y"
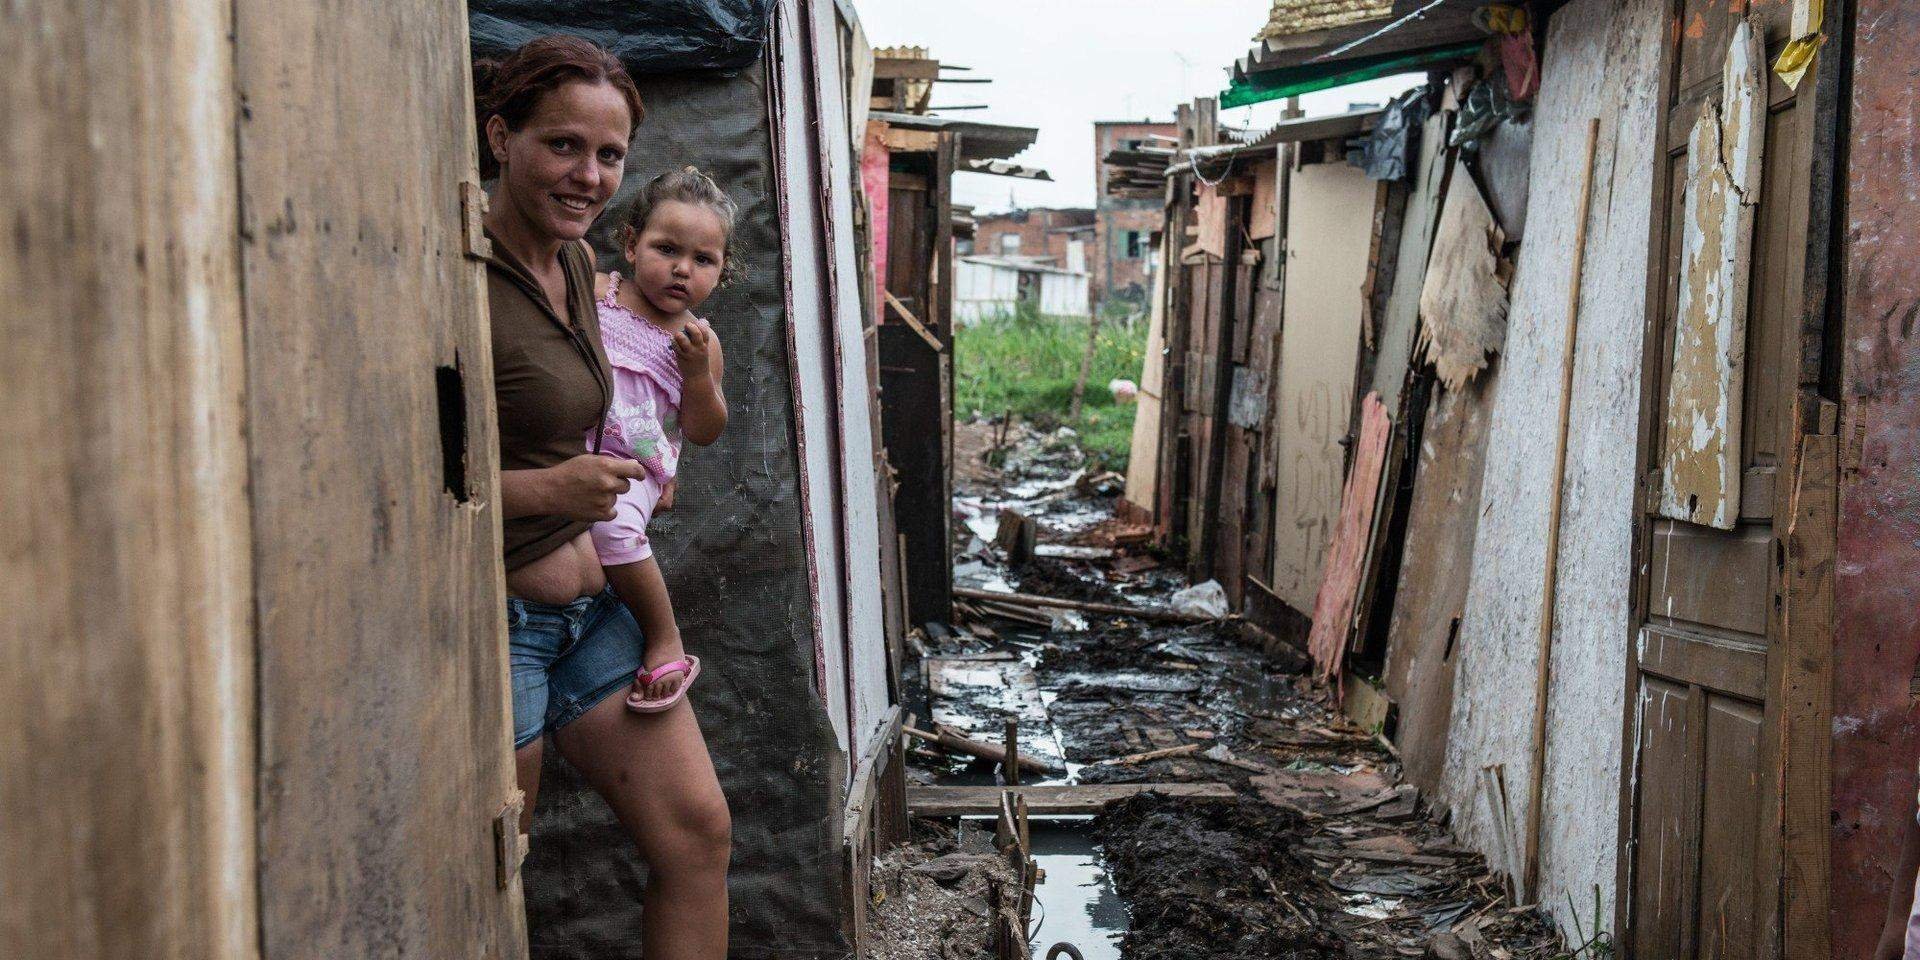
{"x": 1702, "y": 855}
{"x": 385, "y": 763}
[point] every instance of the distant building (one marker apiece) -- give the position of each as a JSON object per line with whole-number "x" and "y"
{"x": 1059, "y": 238}
{"x": 1123, "y": 228}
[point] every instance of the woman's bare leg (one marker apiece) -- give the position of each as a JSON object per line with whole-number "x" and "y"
{"x": 526, "y": 770}
{"x": 655, "y": 773}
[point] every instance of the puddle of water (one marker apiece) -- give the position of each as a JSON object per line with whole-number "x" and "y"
{"x": 1078, "y": 902}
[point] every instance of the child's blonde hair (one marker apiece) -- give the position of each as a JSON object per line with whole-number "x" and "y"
{"x": 686, "y": 185}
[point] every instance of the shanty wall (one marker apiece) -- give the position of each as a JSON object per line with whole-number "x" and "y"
{"x": 1876, "y": 587}
{"x": 1601, "y": 60}
{"x": 256, "y": 690}
{"x": 983, "y": 290}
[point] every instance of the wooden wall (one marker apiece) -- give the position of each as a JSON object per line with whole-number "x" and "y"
{"x": 1876, "y": 643}
{"x": 248, "y": 388}
{"x": 126, "y": 772}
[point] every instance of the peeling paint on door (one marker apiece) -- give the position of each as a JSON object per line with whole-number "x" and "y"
{"x": 1701, "y": 454}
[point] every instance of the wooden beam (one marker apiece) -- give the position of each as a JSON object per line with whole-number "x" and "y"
{"x": 1544, "y": 673}
{"x": 1086, "y": 606}
{"x": 1050, "y": 800}
{"x": 913, "y": 322}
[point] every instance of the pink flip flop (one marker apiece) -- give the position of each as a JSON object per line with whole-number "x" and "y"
{"x": 690, "y": 666}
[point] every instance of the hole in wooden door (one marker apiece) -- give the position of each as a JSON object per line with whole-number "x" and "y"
{"x": 452, "y": 395}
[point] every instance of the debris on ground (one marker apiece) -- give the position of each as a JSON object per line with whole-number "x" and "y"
{"x": 930, "y": 896}
{"x": 1322, "y": 852}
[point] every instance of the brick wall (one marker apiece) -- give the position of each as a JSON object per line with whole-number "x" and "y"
{"x": 1122, "y": 228}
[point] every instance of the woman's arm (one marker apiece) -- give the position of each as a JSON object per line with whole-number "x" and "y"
{"x": 582, "y": 488}
{"x": 703, "y": 407}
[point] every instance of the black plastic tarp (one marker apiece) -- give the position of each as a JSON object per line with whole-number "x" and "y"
{"x": 650, "y": 36}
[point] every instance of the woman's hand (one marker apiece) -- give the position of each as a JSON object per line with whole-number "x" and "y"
{"x": 583, "y": 488}
{"x": 662, "y": 650}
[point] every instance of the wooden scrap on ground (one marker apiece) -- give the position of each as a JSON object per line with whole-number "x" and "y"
{"x": 1016, "y": 535}
{"x": 953, "y": 742}
{"x": 1085, "y": 606}
{"x": 1701, "y": 458}
{"x": 1067, "y": 799}
{"x": 1463, "y": 304}
{"x": 1134, "y": 759}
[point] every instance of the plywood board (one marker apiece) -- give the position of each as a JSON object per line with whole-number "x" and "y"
{"x": 1701, "y": 456}
{"x": 1346, "y": 554}
{"x": 1463, "y": 303}
{"x": 1329, "y": 226}
{"x": 1210, "y": 206}
{"x": 974, "y": 697}
{"x": 1434, "y": 572}
{"x": 1264, "y": 222}
{"x": 1143, "y": 460}
{"x": 126, "y": 770}
{"x": 384, "y": 718}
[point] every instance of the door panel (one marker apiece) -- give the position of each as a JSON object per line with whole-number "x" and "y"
{"x": 385, "y": 736}
{"x": 1702, "y": 857}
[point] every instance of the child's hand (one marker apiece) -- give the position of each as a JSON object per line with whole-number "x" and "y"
{"x": 662, "y": 651}
{"x": 692, "y": 346}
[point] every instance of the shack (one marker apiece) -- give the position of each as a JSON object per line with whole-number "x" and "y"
{"x": 906, "y": 173}
{"x": 1557, "y": 505}
{"x": 985, "y": 287}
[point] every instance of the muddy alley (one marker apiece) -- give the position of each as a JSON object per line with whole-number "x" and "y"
{"x": 1188, "y": 791}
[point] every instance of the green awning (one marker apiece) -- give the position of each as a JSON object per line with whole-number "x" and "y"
{"x": 1309, "y": 77}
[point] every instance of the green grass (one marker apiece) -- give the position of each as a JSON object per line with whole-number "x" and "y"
{"x": 1027, "y": 363}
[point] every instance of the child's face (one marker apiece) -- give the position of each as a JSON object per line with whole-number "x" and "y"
{"x": 677, "y": 258}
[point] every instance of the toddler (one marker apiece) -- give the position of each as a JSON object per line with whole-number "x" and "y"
{"x": 666, "y": 375}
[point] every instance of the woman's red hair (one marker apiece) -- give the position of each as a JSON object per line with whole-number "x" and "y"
{"x": 512, "y": 86}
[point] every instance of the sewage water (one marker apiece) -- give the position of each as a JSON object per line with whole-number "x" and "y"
{"x": 1077, "y": 903}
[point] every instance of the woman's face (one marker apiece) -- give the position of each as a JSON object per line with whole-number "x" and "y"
{"x": 562, "y": 166}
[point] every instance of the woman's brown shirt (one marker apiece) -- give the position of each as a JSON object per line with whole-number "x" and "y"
{"x": 551, "y": 383}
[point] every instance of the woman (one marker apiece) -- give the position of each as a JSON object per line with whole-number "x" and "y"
{"x": 555, "y": 118}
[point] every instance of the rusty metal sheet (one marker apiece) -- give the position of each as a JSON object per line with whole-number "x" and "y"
{"x": 1463, "y": 304}
{"x": 1700, "y": 458}
{"x": 1346, "y": 555}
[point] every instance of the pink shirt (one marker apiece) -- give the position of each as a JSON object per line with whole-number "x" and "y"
{"x": 643, "y": 424}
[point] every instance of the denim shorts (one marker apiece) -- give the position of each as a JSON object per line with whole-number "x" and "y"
{"x": 566, "y": 658}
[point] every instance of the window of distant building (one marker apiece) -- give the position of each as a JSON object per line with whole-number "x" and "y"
{"x": 963, "y": 247}
{"x": 1009, "y": 244}
{"x": 1136, "y": 244}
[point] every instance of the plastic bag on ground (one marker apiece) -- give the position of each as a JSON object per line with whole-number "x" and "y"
{"x": 1202, "y": 600}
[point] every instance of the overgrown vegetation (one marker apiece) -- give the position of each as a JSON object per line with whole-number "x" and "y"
{"x": 1025, "y": 363}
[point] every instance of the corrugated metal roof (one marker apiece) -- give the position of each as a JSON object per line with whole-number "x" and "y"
{"x": 1290, "y": 17}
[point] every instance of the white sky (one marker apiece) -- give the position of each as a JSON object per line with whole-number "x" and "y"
{"x": 1059, "y": 65}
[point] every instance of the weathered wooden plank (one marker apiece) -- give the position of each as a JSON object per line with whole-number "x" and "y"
{"x": 1806, "y": 700}
{"x": 1346, "y": 555}
{"x": 1431, "y": 598}
{"x": 1700, "y": 459}
{"x": 383, "y": 674}
{"x": 1049, "y": 800}
{"x": 1463, "y": 302}
{"x": 126, "y": 771}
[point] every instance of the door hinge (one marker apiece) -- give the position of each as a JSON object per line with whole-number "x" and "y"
{"x": 509, "y": 844}
{"x": 473, "y": 213}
